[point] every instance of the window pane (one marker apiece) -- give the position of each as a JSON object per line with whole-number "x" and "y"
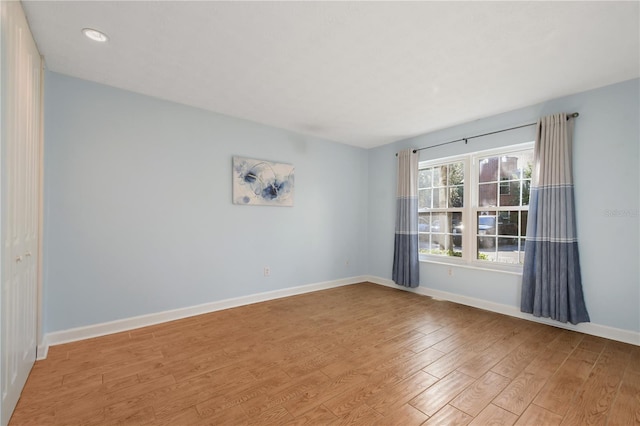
{"x": 438, "y": 241}
{"x": 439, "y": 198}
{"x": 508, "y": 223}
{"x": 526, "y": 188}
{"x": 438, "y": 222}
{"x": 446, "y": 225}
{"x": 450, "y": 248}
{"x": 457, "y": 241}
{"x": 508, "y": 250}
{"x": 488, "y": 169}
{"x": 423, "y": 243}
{"x": 423, "y": 222}
{"x": 510, "y": 193}
{"x": 486, "y": 231}
{"x": 457, "y": 230}
{"x": 424, "y": 178}
{"x": 525, "y": 163}
{"x": 456, "y": 222}
{"x": 486, "y": 243}
{"x": 487, "y": 223}
{"x": 456, "y": 174}
{"x": 523, "y": 223}
{"x": 505, "y": 188}
{"x": 522, "y": 243}
{"x": 424, "y": 198}
{"x": 440, "y": 176}
{"x": 456, "y": 196}
{"x": 509, "y": 167}
{"x": 487, "y": 195}
{"x": 486, "y": 248}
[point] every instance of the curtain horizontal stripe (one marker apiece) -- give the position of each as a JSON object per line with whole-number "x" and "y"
{"x": 552, "y": 186}
{"x": 553, "y": 240}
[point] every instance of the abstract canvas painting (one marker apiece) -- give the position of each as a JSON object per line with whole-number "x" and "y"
{"x": 262, "y": 183}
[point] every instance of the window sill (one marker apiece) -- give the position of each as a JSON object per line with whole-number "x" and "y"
{"x": 475, "y": 265}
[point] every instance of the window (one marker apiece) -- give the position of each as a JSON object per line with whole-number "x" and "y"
{"x": 486, "y": 191}
{"x": 503, "y": 188}
{"x": 440, "y": 208}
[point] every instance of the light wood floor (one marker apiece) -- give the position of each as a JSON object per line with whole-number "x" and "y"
{"x": 361, "y": 354}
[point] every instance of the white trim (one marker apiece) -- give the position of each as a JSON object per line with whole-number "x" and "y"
{"x": 96, "y": 330}
{"x": 478, "y": 265}
{"x": 508, "y": 149}
{"x": 40, "y": 273}
{"x": 126, "y": 324}
{"x": 621, "y": 335}
{"x": 441, "y": 161}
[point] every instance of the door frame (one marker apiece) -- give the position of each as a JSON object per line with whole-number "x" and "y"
{"x": 42, "y": 347}
{"x": 39, "y": 315}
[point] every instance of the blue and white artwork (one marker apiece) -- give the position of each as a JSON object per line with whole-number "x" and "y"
{"x": 262, "y": 183}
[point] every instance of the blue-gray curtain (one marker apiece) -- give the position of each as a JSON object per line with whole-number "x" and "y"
{"x": 405, "y": 252}
{"x": 551, "y": 280}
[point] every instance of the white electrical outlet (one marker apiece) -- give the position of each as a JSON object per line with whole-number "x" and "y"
{"x": 450, "y": 272}
{"x": 267, "y": 271}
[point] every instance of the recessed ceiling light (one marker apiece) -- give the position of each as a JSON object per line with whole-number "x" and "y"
{"x": 95, "y": 35}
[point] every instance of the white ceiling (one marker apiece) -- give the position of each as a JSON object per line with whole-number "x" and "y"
{"x": 361, "y": 73}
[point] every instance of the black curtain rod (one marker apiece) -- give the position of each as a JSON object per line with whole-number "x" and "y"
{"x": 572, "y": 115}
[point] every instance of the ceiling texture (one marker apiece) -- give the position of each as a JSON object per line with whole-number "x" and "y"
{"x": 360, "y": 73}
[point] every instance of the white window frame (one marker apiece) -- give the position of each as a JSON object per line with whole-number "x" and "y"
{"x": 470, "y": 209}
{"x": 465, "y": 209}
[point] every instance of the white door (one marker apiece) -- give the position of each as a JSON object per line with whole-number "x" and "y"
{"x": 20, "y": 189}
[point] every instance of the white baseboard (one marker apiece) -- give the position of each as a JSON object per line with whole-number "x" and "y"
{"x": 621, "y": 335}
{"x": 126, "y": 324}
{"x": 96, "y": 330}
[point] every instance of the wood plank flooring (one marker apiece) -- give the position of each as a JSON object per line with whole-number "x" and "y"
{"x": 355, "y": 355}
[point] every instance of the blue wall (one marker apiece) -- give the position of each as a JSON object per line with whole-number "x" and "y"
{"x": 138, "y": 212}
{"x": 139, "y": 219}
{"x": 606, "y": 163}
